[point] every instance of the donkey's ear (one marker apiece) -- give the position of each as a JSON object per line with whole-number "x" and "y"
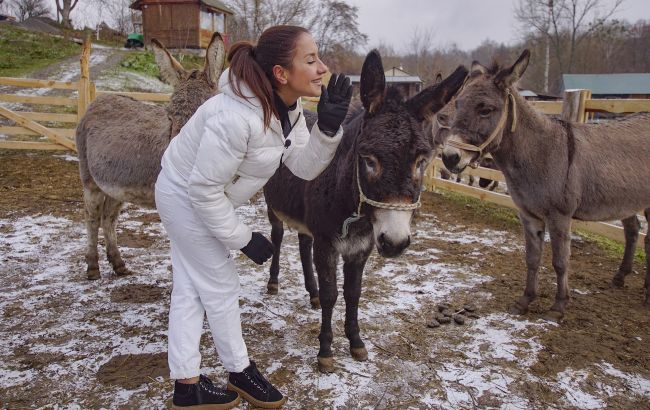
{"x": 170, "y": 69}
{"x": 512, "y": 74}
{"x": 215, "y": 58}
{"x": 438, "y": 79}
{"x": 430, "y": 100}
{"x": 477, "y": 69}
{"x": 373, "y": 82}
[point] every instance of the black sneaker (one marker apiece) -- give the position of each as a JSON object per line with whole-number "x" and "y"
{"x": 203, "y": 395}
{"x": 255, "y": 389}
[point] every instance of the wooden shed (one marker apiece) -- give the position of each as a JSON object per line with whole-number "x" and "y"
{"x": 182, "y": 23}
{"x": 397, "y": 77}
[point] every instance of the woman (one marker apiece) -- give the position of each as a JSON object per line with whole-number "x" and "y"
{"x": 224, "y": 154}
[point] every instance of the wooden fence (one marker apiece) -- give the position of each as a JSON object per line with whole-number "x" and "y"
{"x": 58, "y": 127}
{"x": 51, "y": 124}
{"x": 577, "y": 105}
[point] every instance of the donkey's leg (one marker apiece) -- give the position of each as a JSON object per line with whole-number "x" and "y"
{"x": 93, "y": 204}
{"x": 277, "y": 233}
{"x": 353, "y": 273}
{"x": 325, "y": 262}
{"x": 110, "y": 213}
{"x": 534, "y": 237}
{"x": 647, "y": 259}
{"x": 305, "y": 244}
{"x": 631, "y": 227}
{"x": 559, "y": 229}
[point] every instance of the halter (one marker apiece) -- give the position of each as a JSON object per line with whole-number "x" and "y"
{"x": 510, "y": 99}
{"x": 384, "y": 205}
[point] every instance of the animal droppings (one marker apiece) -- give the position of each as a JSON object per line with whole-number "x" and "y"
{"x": 433, "y": 323}
{"x": 443, "y": 306}
{"x": 459, "y": 319}
{"x": 445, "y": 320}
{"x": 469, "y": 307}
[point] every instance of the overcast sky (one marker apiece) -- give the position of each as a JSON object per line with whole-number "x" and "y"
{"x": 464, "y": 22}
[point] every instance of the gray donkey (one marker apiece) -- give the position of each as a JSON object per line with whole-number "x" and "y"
{"x": 555, "y": 170}
{"x": 365, "y": 198}
{"x": 121, "y": 141}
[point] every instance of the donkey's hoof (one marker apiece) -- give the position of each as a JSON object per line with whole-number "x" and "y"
{"x": 93, "y": 274}
{"x": 315, "y": 302}
{"x": 554, "y": 316}
{"x": 272, "y": 288}
{"x": 325, "y": 364}
{"x": 518, "y": 309}
{"x": 359, "y": 353}
{"x": 123, "y": 271}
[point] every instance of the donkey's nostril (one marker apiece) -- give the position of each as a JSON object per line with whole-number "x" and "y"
{"x": 450, "y": 160}
{"x": 382, "y": 239}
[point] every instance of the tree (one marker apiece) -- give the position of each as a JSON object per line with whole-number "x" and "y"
{"x": 334, "y": 26}
{"x": 333, "y": 23}
{"x": 566, "y": 23}
{"x": 30, "y": 8}
{"x": 63, "y": 10}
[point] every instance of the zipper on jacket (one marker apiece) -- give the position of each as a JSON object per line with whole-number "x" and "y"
{"x": 287, "y": 141}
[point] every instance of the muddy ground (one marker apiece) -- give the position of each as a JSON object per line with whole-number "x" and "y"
{"x": 66, "y": 342}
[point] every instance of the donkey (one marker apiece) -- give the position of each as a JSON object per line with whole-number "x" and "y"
{"x": 365, "y": 197}
{"x": 121, "y": 141}
{"x": 555, "y": 171}
{"x": 438, "y": 129}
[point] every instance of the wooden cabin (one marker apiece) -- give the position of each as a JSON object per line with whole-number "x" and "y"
{"x": 620, "y": 85}
{"x": 182, "y": 23}
{"x": 408, "y": 84}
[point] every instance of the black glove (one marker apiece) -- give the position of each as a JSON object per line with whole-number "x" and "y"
{"x": 333, "y": 104}
{"x": 258, "y": 249}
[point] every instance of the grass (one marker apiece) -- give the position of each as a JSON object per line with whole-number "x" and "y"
{"x": 23, "y": 51}
{"x": 144, "y": 62}
{"x": 509, "y": 217}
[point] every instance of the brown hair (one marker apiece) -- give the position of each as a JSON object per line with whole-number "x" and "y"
{"x": 254, "y": 64}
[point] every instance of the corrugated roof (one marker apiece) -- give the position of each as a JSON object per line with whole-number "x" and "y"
{"x": 391, "y": 79}
{"x": 632, "y": 83}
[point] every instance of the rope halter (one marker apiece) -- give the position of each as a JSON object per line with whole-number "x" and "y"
{"x": 510, "y": 99}
{"x": 384, "y": 205}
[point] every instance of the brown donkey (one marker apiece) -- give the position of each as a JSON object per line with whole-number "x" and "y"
{"x": 555, "y": 170}
{"x": 364, "y": 199}
{"x": 121, "y": 141}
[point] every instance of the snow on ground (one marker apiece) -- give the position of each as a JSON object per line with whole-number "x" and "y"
{"x": 42, "y": 261}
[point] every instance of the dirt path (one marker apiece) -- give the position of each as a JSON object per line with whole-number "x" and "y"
{"x": 102, "y": 344}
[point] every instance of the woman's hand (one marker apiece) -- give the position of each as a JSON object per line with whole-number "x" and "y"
{"x": 333, "y": 104}
{"x": 259, "y": 249}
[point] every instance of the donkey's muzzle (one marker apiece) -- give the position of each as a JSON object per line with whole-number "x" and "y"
{"x": 451, "y": 159}
{"x": 389, "y": 248}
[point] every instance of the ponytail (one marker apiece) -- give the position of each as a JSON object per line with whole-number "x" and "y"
{"x": 254, "y": 64}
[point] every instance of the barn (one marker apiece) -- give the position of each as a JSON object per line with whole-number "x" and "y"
{"x": 182, "y": 23}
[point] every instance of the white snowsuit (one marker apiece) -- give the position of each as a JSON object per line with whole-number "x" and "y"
{"x": 218, "y": 161}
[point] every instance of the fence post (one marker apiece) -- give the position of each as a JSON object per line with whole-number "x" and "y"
{"x": 573, "y": 106}
{"x": 84, "y": 81}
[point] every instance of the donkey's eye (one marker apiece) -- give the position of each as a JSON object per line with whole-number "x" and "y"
{"x": 485, "y": 111}
{"x": 443, "y": 119}
{"x": 371, "y": 164}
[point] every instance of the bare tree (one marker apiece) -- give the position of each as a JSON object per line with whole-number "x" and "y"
{"x": 419, "y": 46}
{"x": 565, "y": 22}
{"x": 333, "y": 23}
{"x": 25, "y": 9}
{"x": 63, "y": 10}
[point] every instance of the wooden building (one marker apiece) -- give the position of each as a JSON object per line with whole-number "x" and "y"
{"x": 182, "y": 23}
{"x": 408, "y": 84}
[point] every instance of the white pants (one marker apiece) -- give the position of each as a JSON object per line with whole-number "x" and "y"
{"x": 205, "y": 282}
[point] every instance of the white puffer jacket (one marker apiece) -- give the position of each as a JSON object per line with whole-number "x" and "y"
{"x": 223, "y": 155}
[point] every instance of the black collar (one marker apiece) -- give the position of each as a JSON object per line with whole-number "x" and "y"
{"x": 283, "y": 112}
